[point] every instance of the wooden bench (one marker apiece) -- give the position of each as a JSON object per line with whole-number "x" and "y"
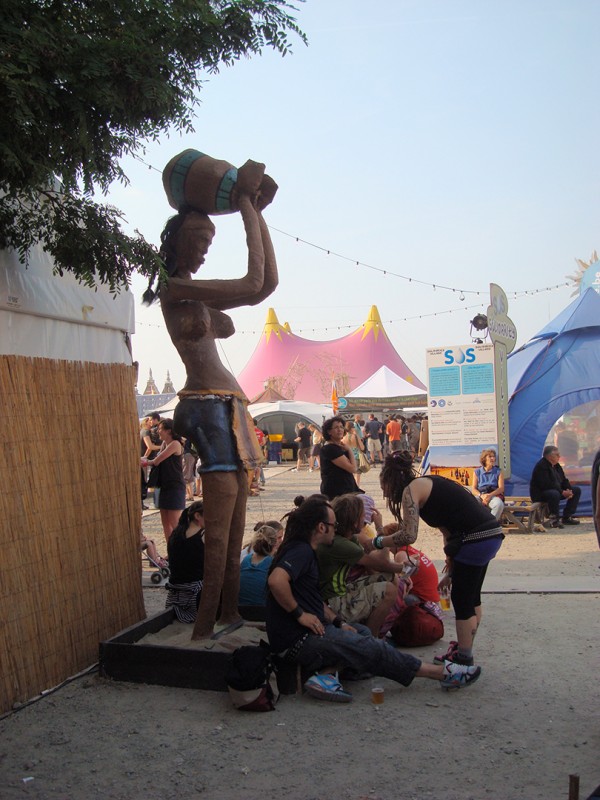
{"x": 523, "y": 514}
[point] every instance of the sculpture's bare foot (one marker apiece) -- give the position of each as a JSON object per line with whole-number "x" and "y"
{"x": 202, "y": 633}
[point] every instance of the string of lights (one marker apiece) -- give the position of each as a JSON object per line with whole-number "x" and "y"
{"x": 387, "y": 272}
{"x": 409, "y": 279}
{"x": 349, "y": 326}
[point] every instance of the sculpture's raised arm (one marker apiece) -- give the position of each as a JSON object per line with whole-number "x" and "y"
{"x": 251, "y": 192}
{"x": 270, "y": 275}
{"x": 217, "y": 293}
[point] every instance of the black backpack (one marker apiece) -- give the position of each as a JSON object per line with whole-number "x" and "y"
{"x": 251, "y": 678}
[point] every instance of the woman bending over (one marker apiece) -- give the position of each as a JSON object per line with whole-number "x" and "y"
{"x": 472, "y": 538}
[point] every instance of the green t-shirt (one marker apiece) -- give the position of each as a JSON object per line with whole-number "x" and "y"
{"x": 334, "y": 562}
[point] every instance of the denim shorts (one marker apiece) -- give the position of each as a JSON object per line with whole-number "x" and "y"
{"x": 207, "y": 424}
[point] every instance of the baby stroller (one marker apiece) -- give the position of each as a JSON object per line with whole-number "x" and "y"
{"x": 161, "y": 565}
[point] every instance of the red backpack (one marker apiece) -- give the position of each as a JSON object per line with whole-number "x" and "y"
{"x": 417, "y": 627}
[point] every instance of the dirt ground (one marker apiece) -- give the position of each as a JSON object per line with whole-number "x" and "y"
{"x": 530, "y": 721}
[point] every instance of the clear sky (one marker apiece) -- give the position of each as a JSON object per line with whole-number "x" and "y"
{"x": 452, "y": 142}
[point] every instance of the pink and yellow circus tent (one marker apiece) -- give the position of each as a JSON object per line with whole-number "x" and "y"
{"x": 303, "y": 369}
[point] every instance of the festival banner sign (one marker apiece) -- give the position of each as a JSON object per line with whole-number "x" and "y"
{"x": 352, "y": 404}
{"x": 462, "y": 408}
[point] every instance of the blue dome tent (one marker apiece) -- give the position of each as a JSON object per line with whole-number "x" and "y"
{"x": 555, "y": 372}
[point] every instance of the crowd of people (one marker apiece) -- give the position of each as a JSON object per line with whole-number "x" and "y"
{"x": 171, "y": 469}
{"x": 316, "y": 449}
{"x": 340, "y": 589}
{"x": 372, "y": 437}
{"x": 314, "y": 612}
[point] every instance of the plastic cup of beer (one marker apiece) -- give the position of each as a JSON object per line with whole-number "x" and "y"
{"x": 445, "y": 600}
{"x": 377, "y": 696}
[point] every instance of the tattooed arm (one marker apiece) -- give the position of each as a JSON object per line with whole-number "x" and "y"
{"x": 409, "y": 525}
{"x": 413, "y": 497}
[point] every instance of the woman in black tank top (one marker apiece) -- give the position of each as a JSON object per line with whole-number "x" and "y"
{"x": 171, "y": 498}
{"x": 472, "y": 537}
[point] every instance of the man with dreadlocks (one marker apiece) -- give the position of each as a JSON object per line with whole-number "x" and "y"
{"x": 302, "y": 629}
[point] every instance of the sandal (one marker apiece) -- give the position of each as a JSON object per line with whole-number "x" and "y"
{"x": 327, "y": 687}
{"x": 221, "y": 630}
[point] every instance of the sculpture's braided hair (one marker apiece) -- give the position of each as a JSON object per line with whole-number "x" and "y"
{"x": 167, "y": 251}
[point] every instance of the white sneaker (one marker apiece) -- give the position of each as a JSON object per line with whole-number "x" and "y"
{"x": 457, "y": 676}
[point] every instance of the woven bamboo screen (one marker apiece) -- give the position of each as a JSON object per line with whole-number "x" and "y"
{"x": 70, "y": 518}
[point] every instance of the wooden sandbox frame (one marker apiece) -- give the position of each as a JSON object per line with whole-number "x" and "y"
{"x": 125, "y": 658}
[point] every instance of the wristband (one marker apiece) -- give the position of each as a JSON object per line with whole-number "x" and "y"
{"x": 337, "y": 622}
{"x": 297, "y": 612}
{"x": 377, "y": 543}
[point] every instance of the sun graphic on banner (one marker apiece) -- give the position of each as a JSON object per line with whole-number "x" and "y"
{"x": 582, "y": 266}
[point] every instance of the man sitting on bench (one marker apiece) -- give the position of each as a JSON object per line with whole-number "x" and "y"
{"x": 550, "y": 485}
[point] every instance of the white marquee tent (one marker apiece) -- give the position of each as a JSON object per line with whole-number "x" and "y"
{"x": 385, "y": 383}
{"x": 385, "y": 388}
{"x": 315, "y": 412}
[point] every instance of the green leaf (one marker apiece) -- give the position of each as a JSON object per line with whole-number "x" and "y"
{"x": 86, "y": 83}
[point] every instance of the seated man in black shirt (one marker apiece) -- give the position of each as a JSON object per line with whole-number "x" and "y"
{"x": 304, "y": 630}
{"x": 550, "y": 485}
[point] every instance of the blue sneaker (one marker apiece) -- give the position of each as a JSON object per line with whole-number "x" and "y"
{"x": 327, "y": 687}
{"x": 457, "y": 676}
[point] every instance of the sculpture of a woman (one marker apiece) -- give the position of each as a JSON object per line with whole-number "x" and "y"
{"x": 212, "y": 411}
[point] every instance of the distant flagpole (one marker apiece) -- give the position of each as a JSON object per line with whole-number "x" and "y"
{"x": 334, "y": 396}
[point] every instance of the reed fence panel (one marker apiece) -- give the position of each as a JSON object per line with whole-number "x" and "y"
{"x": 70, "y": 518}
